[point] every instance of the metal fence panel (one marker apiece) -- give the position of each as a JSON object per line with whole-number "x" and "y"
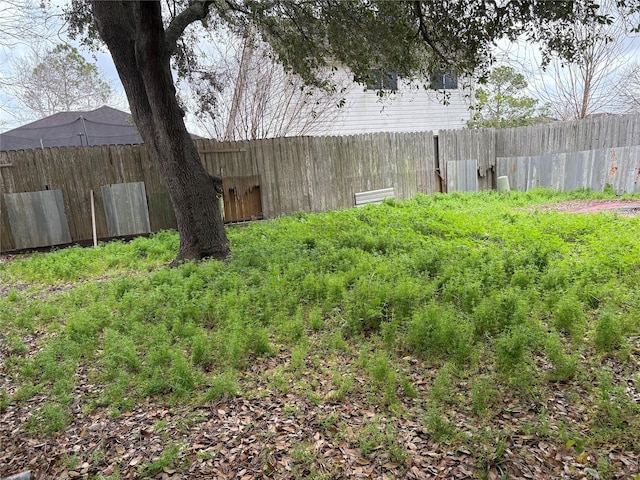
{"x": 125, "y": 206}
{"x": 594, "y": 169}
{"x": 462, "y": 176}
{"x": 37, "y": 219}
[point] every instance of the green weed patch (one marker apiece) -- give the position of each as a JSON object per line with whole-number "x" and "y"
{"x": 486, "y": 290}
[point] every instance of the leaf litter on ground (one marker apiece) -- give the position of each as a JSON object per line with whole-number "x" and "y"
{"x": 311, "y": 321}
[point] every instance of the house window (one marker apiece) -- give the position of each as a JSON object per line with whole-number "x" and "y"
{"x": 444, "y": 81}
{"x": 381, "y": 80}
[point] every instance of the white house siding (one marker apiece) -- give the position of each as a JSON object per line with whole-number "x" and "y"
{"x": 410, "y": 109}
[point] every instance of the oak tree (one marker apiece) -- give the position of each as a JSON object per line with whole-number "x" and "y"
{"x": 410, "y": 38}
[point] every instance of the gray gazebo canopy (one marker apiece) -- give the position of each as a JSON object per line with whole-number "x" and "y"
{"x": 103, "y": 126}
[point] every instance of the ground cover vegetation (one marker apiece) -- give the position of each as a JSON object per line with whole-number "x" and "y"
{"x": 453, "y": 335}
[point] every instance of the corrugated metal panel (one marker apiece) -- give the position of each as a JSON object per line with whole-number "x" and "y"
{"x": 125, "y": 206}
{"x": 594, "y": 169}
{"x": 462, "y": 176}
{"x": 37, "y": 219}
{"x": 622, "y": 169}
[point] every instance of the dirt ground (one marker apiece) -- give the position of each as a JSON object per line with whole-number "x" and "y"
{"x": 623, "y": 207}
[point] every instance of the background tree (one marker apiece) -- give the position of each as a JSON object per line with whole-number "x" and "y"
{"x": 256, "y": 98}
{"x": 504, "y": 103}
{"x": 21, "y": 22}
{"x": 630, "y": 95}
{"x": 408, "y": 37}
{"x": 56, "y": 80}
{"x": 593, "y": 80}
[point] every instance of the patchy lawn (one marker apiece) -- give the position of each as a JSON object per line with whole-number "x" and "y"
{"x": 458, "y": 336}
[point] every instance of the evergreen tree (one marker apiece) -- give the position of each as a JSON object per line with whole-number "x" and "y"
{"x": 503, "y": 103}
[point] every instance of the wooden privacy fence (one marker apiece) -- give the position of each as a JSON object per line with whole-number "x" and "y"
{"x": 46, "y": 194}
{"x": 317, "y": 174}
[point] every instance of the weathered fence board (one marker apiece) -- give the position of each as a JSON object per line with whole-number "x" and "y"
{"x": 462, "y": 145}
{"x": 562, "y": 137}
{"x": 462, "y": 176}
{"x": 125, "y": 206}
{"x": 288, "y": 174}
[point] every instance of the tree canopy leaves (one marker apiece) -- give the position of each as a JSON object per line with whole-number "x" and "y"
{"x": 411, "y": 38}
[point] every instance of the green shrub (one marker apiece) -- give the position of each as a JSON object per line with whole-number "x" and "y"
{"x": 224, "y": 385}
{"x": 119, "y": 354}
{"x": 438, "y": 426}
{"x": 201, "y": 350}
{"x": 513, "y": 350}
{"x": 368, "y": 305}
{"x": 182, "y": 376}
{"x": 48, "y": 418}
{"x": 523, "y": 278}
{"x": 384, "y": 377}
{"x": 167, "y": 460}
{"x": 609, "y": 331}
{"x": 442, "y": 389}
{"x": 616, "y": 410}
{"x": 483, "y": 394}
{"x": 565, "y": 365}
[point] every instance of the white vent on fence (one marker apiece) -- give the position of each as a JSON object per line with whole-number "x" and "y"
{"x": 373, "y": 196}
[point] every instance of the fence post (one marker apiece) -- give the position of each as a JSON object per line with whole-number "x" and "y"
{"x": 1, "y": 166}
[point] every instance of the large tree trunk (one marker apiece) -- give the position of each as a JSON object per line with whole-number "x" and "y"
{"x": 134, "y": 34}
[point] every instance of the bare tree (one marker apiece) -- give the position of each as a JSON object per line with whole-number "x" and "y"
{"x": 258, "y": 98}
{"x": 630, "y": 94}
{"x": 26, "y": 21}
{"x": 48, "y": 81}
{"x": 592, "y": 81}
{"x": 22, "y": 22}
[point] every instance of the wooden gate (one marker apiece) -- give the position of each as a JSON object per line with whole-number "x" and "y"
{"x": 242, "y": 199}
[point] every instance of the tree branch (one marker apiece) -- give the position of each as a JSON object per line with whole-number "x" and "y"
{"x": 236, "y": 7}
{"x": 197, "y": 10}
{"x": 422, "y": 29}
